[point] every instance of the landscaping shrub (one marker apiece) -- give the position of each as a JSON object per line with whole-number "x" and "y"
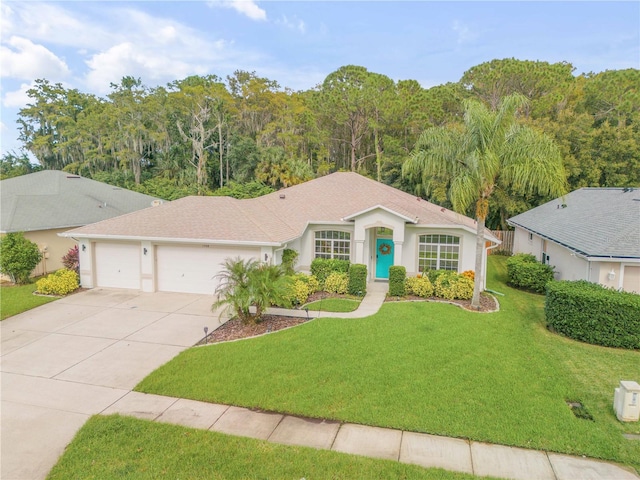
{"x": 525, "y": 272}
{"x": 62, "y": 282}
{"x": 321, "y": 268}
{"x": 18, "y": 257}
{"x": 397, "y": 277}
{"x": 594, "y": 314}
{"x": 452, "y": 286}
{"x": 337, "y": 282}
{"x": 71, "y": 260}
{"x": 357, "y": 279}
{"x": 434, "y": 274}
{"x": 469, "y": 274}
{"x": 300, "y": 287}
{"x": 289, "y": 258}
{"x": 420, "y": 286}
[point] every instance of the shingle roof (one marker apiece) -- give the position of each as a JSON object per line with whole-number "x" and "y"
{"x": 597, "y": 222}
{"x": 274, "y": 218}
{"x": 53, "y": 199}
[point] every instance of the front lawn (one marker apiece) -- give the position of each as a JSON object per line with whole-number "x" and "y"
{"x": 426, "y": 367}
{"x": 20, "y": 298}
{"x": 119, "y": 447}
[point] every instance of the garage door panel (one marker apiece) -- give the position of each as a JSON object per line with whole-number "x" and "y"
{"x": 189, "y": 269}
{"x": 117, "y": 265}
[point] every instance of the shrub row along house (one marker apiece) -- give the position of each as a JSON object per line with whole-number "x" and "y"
{"x": 179, "y": 246}
{"x": 46, "y": 203}
{"x": 591, "y": 234}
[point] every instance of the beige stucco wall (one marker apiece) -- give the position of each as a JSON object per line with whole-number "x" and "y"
{"x": 523, "y": 244}
{"x": 631, "y": 279}
{"x": 568, "y": 265}
{"x": 53, "y": 248}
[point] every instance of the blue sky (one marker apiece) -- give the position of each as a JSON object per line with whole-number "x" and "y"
{"x": 87, "y": 45}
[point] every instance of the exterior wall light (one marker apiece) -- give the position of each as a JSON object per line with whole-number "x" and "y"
{"x": 611, "y": 275}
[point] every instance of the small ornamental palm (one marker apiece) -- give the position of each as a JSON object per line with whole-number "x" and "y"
{"x": 247, "y": 288}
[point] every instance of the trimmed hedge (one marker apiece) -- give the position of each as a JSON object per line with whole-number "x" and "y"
{"x": 594, "y": 314}
{"x": 357, "y": 279}
{"x": 397, "y": 277}
{"x": 525, "y": 272}
{"x": 321, "y": 268}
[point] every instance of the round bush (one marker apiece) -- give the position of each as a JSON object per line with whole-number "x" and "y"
{"x": 525, "y": 272}
{"x": 61, "y": 282}
{"x": 336, "y": 283}
{"x": 420, "y": 286}
{"x": 453, "y": 287}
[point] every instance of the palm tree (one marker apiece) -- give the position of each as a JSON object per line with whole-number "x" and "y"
{"x": 490, "y": 151}
{"x": 248, "y": 288}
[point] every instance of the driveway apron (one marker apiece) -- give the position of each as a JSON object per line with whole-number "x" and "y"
{"x": 67, "y": 360}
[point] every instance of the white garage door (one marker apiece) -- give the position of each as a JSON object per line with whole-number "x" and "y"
{"x": 118, "y": 265}
{"x": 192, "y": 269}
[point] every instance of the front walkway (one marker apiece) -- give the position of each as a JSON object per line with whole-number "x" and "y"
{"x": 482, "y": 459}
{"x": 371, "y": 303}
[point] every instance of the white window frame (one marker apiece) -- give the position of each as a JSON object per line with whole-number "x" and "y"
{"x": 440, "y": 244}
{"x": 338, "y": 242}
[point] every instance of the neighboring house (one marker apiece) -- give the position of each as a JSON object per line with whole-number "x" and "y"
{"x": 179, "y": 246}
{"x": 591, "y": 234}
{"x": 49, "y": 202}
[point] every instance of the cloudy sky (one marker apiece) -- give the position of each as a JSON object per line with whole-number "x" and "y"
{"x": 88, "y": 45}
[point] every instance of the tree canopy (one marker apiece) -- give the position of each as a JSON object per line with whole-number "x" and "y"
{"x": 204, "y": 133}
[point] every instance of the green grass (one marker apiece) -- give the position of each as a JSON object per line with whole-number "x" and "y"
{"x": 119, "y": 447}
{"x": 20, "y": 298}
{"x": 340, "y": 305}
{"x": 426, "y": 367}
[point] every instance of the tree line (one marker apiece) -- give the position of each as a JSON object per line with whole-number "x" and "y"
{"x": 246, "y": 135}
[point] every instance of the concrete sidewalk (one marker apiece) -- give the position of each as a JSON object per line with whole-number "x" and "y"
{"x": 482, "y": 459}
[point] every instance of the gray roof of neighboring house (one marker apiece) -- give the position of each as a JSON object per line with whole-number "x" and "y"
{"x": 274, "y": 218}
{"x": 596, "y": 222}
{"x": 52, "y": 199}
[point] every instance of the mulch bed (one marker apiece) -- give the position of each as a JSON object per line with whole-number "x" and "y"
{"x": 234, "y": 329}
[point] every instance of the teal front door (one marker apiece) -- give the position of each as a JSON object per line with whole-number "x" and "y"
{"x": 384, "y": 257}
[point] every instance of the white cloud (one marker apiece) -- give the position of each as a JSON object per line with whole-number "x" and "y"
{"x": 245, "y": 7}
{"x": 294, "y": 23}
{"x": 23, "y": 59}
{"x": 155, "y": 49}
{"x": 130, "y": 59}
{"x": 17, "y": 98}
{"x": 52, "y": 24}
{"x": 463, "y": 32}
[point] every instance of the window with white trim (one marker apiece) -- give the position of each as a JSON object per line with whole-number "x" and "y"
{"x": 333, "y": 244}
{"x": 438, "y": 252}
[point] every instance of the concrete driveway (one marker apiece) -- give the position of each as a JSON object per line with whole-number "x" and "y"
{"x": 67, "y": 360}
